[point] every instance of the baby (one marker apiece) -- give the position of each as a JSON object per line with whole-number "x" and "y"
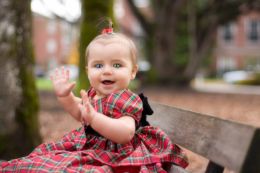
{"x": 111, "y": 139}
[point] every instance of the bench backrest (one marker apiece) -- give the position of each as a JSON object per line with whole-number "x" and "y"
{"x": 232, "y": 145}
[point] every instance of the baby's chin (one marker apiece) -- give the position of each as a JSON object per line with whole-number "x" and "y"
{"x": 102, "y": 94}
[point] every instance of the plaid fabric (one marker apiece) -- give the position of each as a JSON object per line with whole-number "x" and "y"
{"x": 118, "y": 104}
{"x": 150, "y": 150}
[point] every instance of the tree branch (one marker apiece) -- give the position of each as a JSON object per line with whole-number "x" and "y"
{"x": 143, "y": 22}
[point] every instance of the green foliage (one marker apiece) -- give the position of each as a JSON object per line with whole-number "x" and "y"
{"x": 152, "y": 76}
{"x": 248, "y": 82}
{"x": 254, "y": 80}
{"x": 180, "y": 58}
{"x": 134, "y": 84}
{"x": 182, "y": 48}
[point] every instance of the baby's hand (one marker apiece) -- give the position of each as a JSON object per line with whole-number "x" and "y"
{"x": 87, "y": 111}
{"x": 60, "y": 81}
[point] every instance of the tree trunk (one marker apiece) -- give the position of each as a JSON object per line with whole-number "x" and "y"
{"x": 168, "y": 70}
{"x": 164, "y": 41}
{"x": 199, "y": 47}
{"x": 180, "y": 45}
{"x": 92, "y": 12}
{"x": 19, "y": 131}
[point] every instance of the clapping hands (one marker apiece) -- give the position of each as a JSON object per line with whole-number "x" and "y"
{"x": 87, "y": 111}
{"x": 63, "y": 87}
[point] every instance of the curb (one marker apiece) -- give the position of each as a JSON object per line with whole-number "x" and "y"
{"x": 202, "y": 86}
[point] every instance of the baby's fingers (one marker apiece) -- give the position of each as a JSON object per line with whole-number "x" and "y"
{"x": 87, "y": 106}
{"x": 62, "y": 71}
{"x": 53, "y": 74}
{"x": 56, "y": 72}
{"x": 84, "y": 96}
{"x": 82, "y": 110}
{"x": 84, "y": 114}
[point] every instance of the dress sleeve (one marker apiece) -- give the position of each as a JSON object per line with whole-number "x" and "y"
{"x": 132, "y": 106}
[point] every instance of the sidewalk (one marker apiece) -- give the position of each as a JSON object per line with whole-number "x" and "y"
{"x": 201, "y": 85}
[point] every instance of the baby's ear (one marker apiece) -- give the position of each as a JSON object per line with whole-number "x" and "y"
{"x": 134, "y": 71}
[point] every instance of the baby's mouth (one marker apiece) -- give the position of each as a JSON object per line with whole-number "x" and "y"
{"x": 107, "y": 82}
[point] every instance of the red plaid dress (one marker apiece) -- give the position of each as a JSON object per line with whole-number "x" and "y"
{"x": 150, "y": 150}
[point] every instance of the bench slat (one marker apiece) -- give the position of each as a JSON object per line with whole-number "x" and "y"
{"x": 221, "y": 141}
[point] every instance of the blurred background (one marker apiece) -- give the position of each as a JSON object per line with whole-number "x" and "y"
{"x": 201, "y": 55}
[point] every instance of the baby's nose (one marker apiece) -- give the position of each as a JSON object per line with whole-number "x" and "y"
{"x": 108, "y": 70}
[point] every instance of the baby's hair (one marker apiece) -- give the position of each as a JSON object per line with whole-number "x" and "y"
{"x": 104, "y": 23}
{"x": 105, "y": 26}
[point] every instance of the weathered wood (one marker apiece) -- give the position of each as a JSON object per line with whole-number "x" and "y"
{"x": 224, "y": 142}
{"x": 177, "y": 169}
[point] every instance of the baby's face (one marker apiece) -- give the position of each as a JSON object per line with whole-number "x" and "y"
{"x": 110, "y": 67}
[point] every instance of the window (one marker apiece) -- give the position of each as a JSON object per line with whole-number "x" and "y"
{"x": 227, "y": 33}
{"x": 253, "y": 32}
{"x": 226, "y": 63}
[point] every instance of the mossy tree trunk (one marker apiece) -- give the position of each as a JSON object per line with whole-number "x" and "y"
{"x": 19, "y": 131}
{"x": 92, "y": 12}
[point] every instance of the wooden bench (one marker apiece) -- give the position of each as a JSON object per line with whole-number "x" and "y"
{"x": 224, "y": 143}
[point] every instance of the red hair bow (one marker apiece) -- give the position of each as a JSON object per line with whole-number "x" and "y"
{"x": 107, "y": 31}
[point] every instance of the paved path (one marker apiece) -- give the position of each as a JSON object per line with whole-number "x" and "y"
{"x": 201, "y": 85}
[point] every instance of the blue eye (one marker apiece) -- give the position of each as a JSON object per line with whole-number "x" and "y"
{"x": 117, "y": 65}
{"x": 98, "y": 65}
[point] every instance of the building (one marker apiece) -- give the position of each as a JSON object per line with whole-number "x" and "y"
{"x": 53, "y": 40}
{"x": 238, "y": 44}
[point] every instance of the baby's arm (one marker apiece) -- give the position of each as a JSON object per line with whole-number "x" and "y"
{"x": 70, "y": 104}
{"x": 63, "y": 90}
{"x": 118, "y": 130}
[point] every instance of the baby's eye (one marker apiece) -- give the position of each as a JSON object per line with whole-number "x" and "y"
{"x": 98, "y": 65}
{"x": 117, "y": 65}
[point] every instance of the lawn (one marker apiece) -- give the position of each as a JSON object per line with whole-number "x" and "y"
{"x": 43, "y": 84}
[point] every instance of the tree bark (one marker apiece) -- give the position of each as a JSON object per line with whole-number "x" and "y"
{"x": 165, "y": 46}
{"x": 19, "y": 131}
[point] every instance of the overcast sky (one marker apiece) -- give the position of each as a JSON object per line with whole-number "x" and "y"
{"x": 68, "y": 9}
{"x": 71, "y": 9}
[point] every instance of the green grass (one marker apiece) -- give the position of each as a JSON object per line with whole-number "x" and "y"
{"x": 214, "y": 80}
{"x": 43, "y": 84}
